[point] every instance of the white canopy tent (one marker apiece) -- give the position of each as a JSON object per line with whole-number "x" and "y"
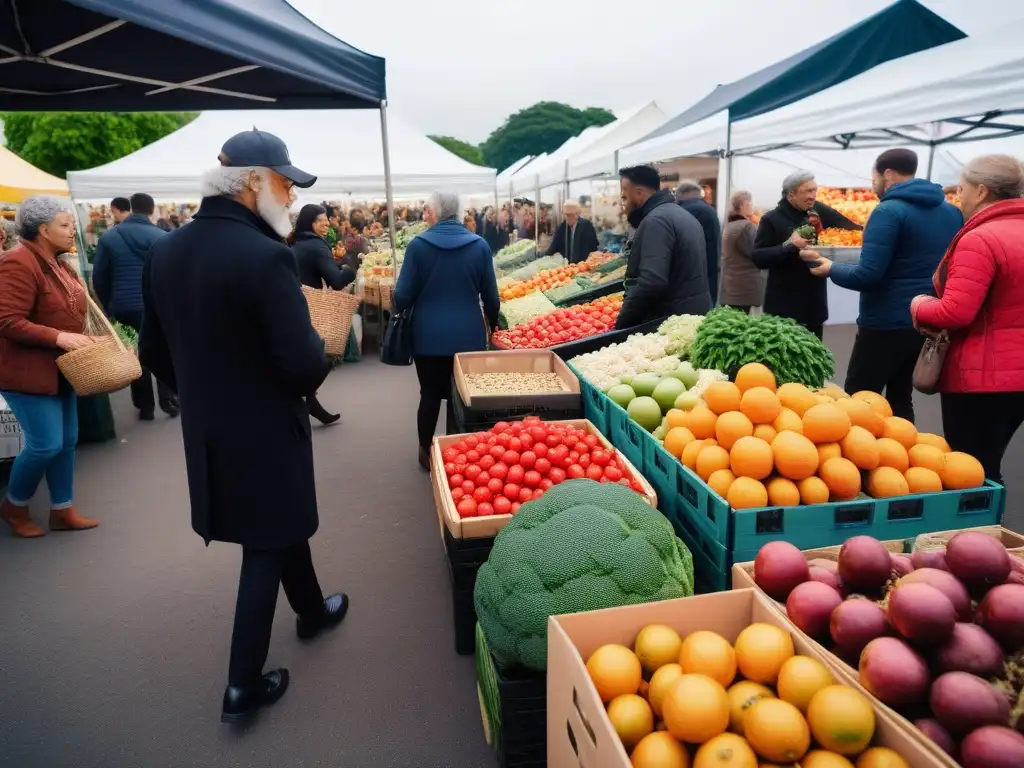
{"x": 343, "y": 147}
{"x": 549, "y": 165}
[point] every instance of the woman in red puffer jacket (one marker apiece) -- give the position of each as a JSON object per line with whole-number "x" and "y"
{"x": 980, "y": 283}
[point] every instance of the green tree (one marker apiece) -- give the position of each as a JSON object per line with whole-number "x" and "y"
{"x": 465, "y": 150}
{"x": 58, "y": 142}
{"x": 541, "y": 128}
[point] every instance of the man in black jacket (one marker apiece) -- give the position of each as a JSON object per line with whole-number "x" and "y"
{"x": 575, "y": 238}
{"x": 666, "y": 267}
{"x": 226, "y": 324}
{"x": 792, "y": 290}
{"x": 690, "y": 197}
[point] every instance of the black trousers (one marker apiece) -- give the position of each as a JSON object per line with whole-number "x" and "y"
{"x": 982, "y": 424}
{"x": 142, "y": 388}
{"x": 883, "y": 362}
{"x": 263, "y": 571}
{"x": 435, "y": 375}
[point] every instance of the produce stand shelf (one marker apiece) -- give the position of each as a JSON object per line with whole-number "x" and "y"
{"x": 584, "y": 297}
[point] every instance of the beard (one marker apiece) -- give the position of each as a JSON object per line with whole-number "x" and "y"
{"x": 272, "y": 212}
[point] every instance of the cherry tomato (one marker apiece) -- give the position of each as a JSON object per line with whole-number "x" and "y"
{"x": 468, "y": 486}
{"x": 502, "y": 506}
{"x": 516, "y": 428}
{"x": 528, "y": 459}
{"x": 584, "y": 460}
{"x": 454, "y": 481}
{"x": 486, "y": 462}
{"x": 526, "y": 441}
{"x": 472, "y": 457}
{"x": 574, "y": 456}
{"x": 515, "y": 474}
{"x": 491, "y": 440}
{"x": 466, "y": 508}
{"x": 538, "y": 492}
{"x": 494, "y": 485}
{"x": 482, "y": 479}
{"x": 465, "y": 445}
{"x": 601, "y": 458}
{"x": 449, "y": 454}
{"x": 532, "y": 478}
{"x": 457, "y": 494}
{"x": 613, "y": 473}
{"x": 504, "y": 439}
{"x": 553, "y": 440}
{"x": 591, "y": 441}
{"x": 500, "y": 427}
{"x": 556, "y": 475}
{"x": 515, "y": 506}
{"x": 510, "y": 457}
{"x": 484, "y": 509}
{"x": 575, "y": 472}
{"x": 449, "y": 468}
{"x": 595, "y": 472}
{"x": 539, "y": 434}
{"x": 515, "y": 444}
{"x": 472, "y": 471}
{"x": 460, "y": 467}
{"x": 542, "y": 450}
{"x": 499, "y": 471}
{"x": 546, "y": 484}
{"x": 497, "y": 452}
{"x": 531, "y": 420}
{"x": 511, "y": 490}
{"x": 525, "y": 494}
{"x": 543, "y": 466}
{"x": 482, "y": 494}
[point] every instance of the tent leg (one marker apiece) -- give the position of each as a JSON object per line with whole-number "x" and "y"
{"x": 387, "y": 186}
{"x": 931, "y": 160}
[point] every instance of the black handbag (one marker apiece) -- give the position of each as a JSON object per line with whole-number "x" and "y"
{"x": 396, "y": 348}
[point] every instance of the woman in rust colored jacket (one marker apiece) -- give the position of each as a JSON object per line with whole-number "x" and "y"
{"x": 42, "y": 314}
{"x": 980, "y": 284}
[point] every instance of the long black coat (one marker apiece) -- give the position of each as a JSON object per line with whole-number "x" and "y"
{"x": 227, "y": 327}
{"x": 317, "y": 265}
{"x": 584, "y": 241}
{"x": 792, "y": 290}
{"x": 707, "y": 217}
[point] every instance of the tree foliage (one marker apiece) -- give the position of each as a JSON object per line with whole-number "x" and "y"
{"x": 465, "y": 150}
{"x": 58, "y": 142}
{"x": 541, "y": 128}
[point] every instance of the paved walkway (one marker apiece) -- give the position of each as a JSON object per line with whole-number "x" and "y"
{"x": 113, "y": 643}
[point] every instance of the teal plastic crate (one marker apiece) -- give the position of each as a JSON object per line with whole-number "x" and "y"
{"x": 625, "y": 435}
{"x": 711, "y": 561}
{"x": 660, "y": 469}
{"x": 596, "y": 404}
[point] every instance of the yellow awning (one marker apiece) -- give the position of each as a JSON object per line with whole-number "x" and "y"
{"x": 19, "y": 179}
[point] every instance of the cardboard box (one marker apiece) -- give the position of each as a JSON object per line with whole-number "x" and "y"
{"x": 477, "y": 527}
{"x": 579, "y": 732}
{"x": 516, "y": 361}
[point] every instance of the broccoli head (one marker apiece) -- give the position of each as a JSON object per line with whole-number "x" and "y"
{"x": 582, "y": 546}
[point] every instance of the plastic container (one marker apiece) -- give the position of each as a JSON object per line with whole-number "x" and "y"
{"x": 596, "y": 406}
{"x": 465, "y": 556}
{"x": 626, "y": 435}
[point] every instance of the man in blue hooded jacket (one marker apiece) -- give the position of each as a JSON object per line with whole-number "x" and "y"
{"x": 904, "y": 241}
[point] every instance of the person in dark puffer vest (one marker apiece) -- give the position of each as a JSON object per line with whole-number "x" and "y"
{"x": 117, "y": 280}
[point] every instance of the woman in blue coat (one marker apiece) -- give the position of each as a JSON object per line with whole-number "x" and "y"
{"x": 448, "y": 273}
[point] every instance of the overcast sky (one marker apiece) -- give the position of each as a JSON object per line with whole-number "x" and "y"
{"x": 460, "y": 67}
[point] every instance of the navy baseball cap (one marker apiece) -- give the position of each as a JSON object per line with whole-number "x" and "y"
{"x": 259, "y": 148}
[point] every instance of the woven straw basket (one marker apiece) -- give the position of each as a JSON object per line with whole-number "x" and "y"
{"x": 331, "y": 313}
{"x": 101, "y": 368}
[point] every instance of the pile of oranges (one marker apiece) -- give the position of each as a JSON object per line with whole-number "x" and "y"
{"x": 756, "y": 445}
{"x": 754, "y": 702}
{"x": 841, "y": 237}
{"x": 544, "y": 281}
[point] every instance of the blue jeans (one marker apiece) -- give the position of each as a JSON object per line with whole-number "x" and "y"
{"x": 50, "y": 424}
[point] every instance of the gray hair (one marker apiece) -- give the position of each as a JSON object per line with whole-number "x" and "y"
{"x": 223, "y": 181}
{"x": 445, "y": 205}
{"x": 1002, "y": 174}
{"x": 687, "y": 187}
{"x": 794, "y": 180}
{"x": 37, "y": 211}
{"x": 739, "y": 197}
{"x": 571, "y": 205}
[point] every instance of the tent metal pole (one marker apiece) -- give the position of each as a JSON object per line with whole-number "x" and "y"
{"x": 387, "y": 187}
{"x": 931, "y": 159}
{"x": 536, "y": 210}
{"x": 728, "y": 159}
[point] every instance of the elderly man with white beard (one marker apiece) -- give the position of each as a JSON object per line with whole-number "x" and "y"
{"x": 227, "y": 327}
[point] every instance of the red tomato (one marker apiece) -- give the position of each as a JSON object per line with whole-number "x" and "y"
{"x": 500, "y": 427}
{"x": 515, "y": 444}
{"x": 482, "y": 479}
{"x": 538, "y": 492}
{"x": 584, "y": 460}
{"x": 516, "y": 427}
{"x": 558, "y": 454}
{"x": 491, "y": 440}
{"x": 468, "y": 486}
{"x": 511, "y": 490}
{"x": 515, "y": 506}
{"x": 538, "y": 433}
{"x": 601, "y": 458}
{"x": 636, "y": 487}
{"x": 486, "y": 462}
{"x": 510, "y": 457}
{"x": 532, "y": 478}
{"x": 591, "y": 441}
{"x": 525, "y": 440}
{"x": 515, "y": 474}
{"x": 457, "y": 494}
{"x": 454, "y": 481}
{"x": 595, "y": 472}
{"x": 546, "y": 484}
{"x": 575, "y": 472}
{"x": 531, "y": 420}
{"x": 528, "y": 459}
{"x": 466, "y": 508}
{"x": 553, "y": 440}
{"x": 542, "y": 450}
{"x": 543, "y": 466}
{"x": 484, "y": 510}
{"x": 472, "y": 457}
{"x": 502, "y": 506}
{"x": 497, "y": 452}
{"x": 449, "y": 454}
{"x": 449, "y": 468}
{"x": 460, "y": 467}
{"x": 482, "y": 495}
{"x": 472, "y": 471}
{"x": 499, "y": 471}
{"x": 574, "y": 456}
{"x": 494, "y": 485}
{"x": 556, "y": 475}
{"x": 613, "y": 473}
{"x": 525, "y": 494}
{"x": 465, "y": 445}
{"x": 503, "y": 439}
{"x": 624, "y": 481}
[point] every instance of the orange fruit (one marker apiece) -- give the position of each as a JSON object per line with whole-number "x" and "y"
{"x": 631, "y": 717}
{"x": 657, "y": 645}
{"x": 813, "y": 490}
{"x": 755, "y": 375}
{"x": 751, "y": 457}
{"x": 688, "y": 458}
{"x": 826, "y": 423}
{"x": 761, "y": 650}
{"x": 842, "y": 478}
{"x": 660, "y": 750}
{"x": 836, "y": 393}
{"x": 765, "y": 432}
{"x": 902, "y": 431}
{"x": 927, "y": 438}
{"x": 924, "y": 455}
{"x": 722, "y": 397}
{"x": 615, "y": 670}
{"x": 886, "y": 482}
{"x": 730, "y": 427}
{"x": 862, "y": 415}
{"x": 708, "y": 653}
{"x": 800, "y": 678}
{"x": 960, "y": 471}
{"x": 841, "y": 719}
{"x": 797, "y": 398}
{"x": 788, "y": 421}
{"x": 677, "y": 439}
{"x": 859, "y": 446}
{"x": 675, "y": 418}
{"x": 661, "y": 681}
{"x": 819, "y": 758}
{"x": 777, "y": 730}
{"x": 742, "y": 696}
{"x": 721, "y": 480}
{"x": 881, "y": 757}
{"x": 783, "y": 492}
{"x": 828, "y": 451}
{"x": 696, "y": 709}
{"x": 761, "y": 405}
{"x": 710, "y": 459}
{"x": 747, "y": 493}
{"x": 892, "y": 454}
{"x": 795, "y": 455}
{"x": 701, "y": 422}
{"x": 923, "y": 480}
{"x": 727, "y": 750}
{"x": 878, "y": 403}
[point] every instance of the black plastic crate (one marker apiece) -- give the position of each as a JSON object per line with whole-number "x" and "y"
{"x": 587, "y": 296}
{"x": 465, "y": 556}
{"x": 593, "y": 343}
{"x": 5, "y": 474}
{"x": 480, "y": 420}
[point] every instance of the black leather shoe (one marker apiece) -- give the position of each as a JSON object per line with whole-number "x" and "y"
{"x": 170, "y": 408}
{"x": 335, "y": 608}
{"x": 424, "y": 459}
{"x": 241, "y": 702}
{"x": 146, "y": 416}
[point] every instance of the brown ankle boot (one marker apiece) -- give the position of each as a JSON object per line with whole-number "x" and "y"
{"x": 21, "y": 524}
{"x": 69, "y": 520}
